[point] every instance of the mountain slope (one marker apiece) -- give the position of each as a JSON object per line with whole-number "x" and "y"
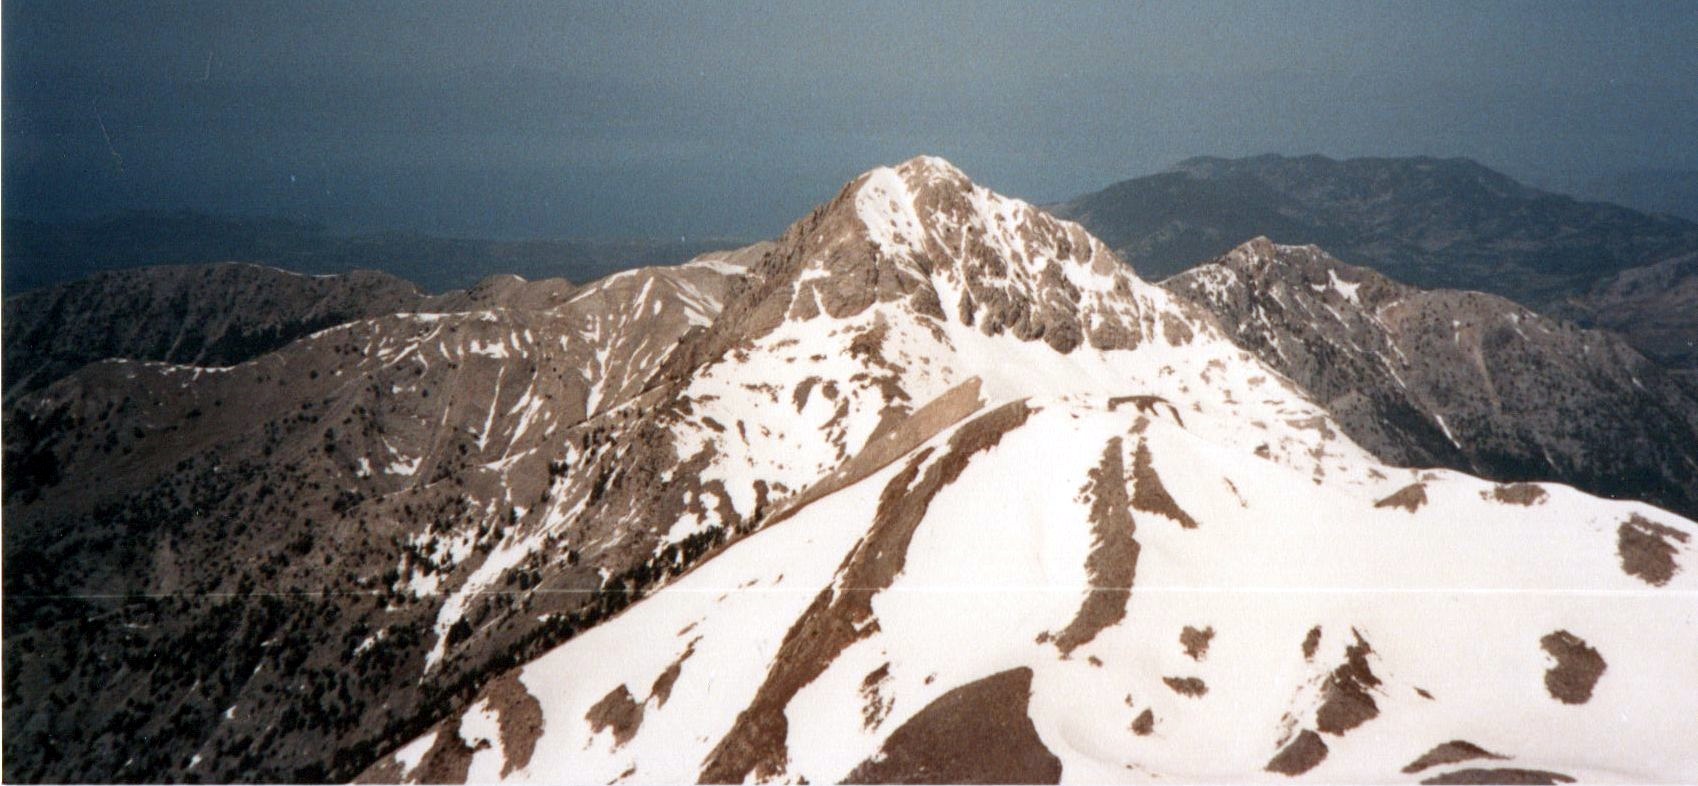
{"x": 1433, "y": 223}
{"x": 1458, "y": 379}
{"x": 223, "y": 572}
{"x": 286, "y": 568}
{"x": 1152, "y": 605}
{"x": 494, "y": 494}
{"x": 1096, "y": 469}
{"x": 1655, "y": 306}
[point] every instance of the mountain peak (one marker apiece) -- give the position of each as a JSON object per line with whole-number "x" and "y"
{"x": 933, "y": 167}
{"x": 923, "y": 231}
{"x": 1260, "y": 250}
{"x": 921, "y": 175}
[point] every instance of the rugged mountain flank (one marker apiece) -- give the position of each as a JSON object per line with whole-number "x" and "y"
{"x": 1035, "y": 519}
{"x": 237, "y": 572}
{"x": 209, "y": 315}
{"x": 1466, "y": 380}
{"x": 1655, "y": 307}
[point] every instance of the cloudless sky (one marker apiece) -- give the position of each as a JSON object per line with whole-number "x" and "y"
{"x": 660, "y": 119}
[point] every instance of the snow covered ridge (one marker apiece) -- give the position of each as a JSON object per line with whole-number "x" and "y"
{"x": 999, "y": 510}
{"x": 1152, "y": 606}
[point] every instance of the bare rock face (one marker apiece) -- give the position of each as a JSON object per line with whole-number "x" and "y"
{"x": 1346, "y": 698}
{"x": 1113, "y": 564}
{"x": 1410, "y": 498}
{"x": 1458, "y": 379}
{"x": 1648, "y": 550}
{"x": 1302, "y": 754}
{"x": 1578, "y": 667}
{"x": 977, "y": 733}
{"x": 1500, "y": 775}
{"x": 1449, "y": 753}
{"x": 617, "y": 713}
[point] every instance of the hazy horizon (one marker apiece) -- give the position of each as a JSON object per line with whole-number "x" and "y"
{"x": 646, "y": 120}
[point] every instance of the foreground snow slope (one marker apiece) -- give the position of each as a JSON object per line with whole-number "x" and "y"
{"x": 1021, "y": 516}
{"x": 1447, "y": 605}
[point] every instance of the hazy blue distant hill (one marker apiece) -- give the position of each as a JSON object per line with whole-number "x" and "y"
{"x": 1435, "y": 223}
{"x": 1431, "y": 222}
{"x": 39, "y": 254}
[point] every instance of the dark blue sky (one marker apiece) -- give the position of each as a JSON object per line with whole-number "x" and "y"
{"x": 622, "y": 119}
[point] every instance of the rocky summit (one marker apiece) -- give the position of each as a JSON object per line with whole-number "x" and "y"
{"x": 932, "y": 488}
{"x": 1464, "y": 380}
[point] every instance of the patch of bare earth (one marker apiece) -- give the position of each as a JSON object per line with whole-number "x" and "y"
{"x": 1506, "y": 776}
{"x": 977, "y": 733}
{"x": 1187, "y": 686}
{"x": 1300, "y": 755}
{"x": 449, "y": 758}
{"x": 1524, "y": 494}
{"x": 1147, "y": 405}
{"x": 1410, "y": 498}
{"x": 662, "y": 688}
{"x": 618, "y": 711}
{"x": 1449, "y": 753}
{"x": 1345, "y": 702}
{"x": 1112, "y": 564}
{"x": 1196, "y": 642}
{"x": 1149, "y": 494}
{"x": 874, "y": 704}
{"x": 1646, "y": 551}
{"x": 803, "y": 388}
{"x": 842, "y": 613}
{"x": 519, "y": 715}
{"x": 1144, "y": 723}
{"x": 1577, "y": 668}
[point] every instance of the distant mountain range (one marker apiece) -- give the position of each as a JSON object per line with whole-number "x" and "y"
{"x": 1429, "y": 222}
{"x": 39, "y": 253}
{"x": 1433, "y": 223}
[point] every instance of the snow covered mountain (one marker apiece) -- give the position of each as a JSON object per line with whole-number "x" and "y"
{"x": 996, "y": 509}
{"x": 932, "y": 474}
